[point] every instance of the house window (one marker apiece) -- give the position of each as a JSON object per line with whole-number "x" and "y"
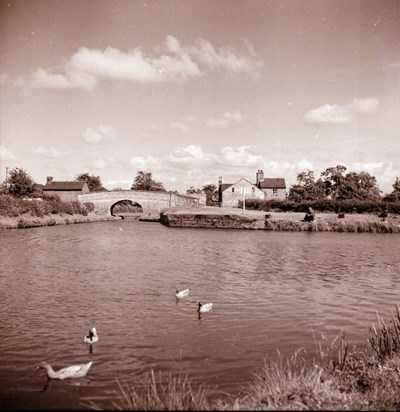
{"x": 274, "y": 191}
{"x": 252, "y": 189}
{"x": 233, "y": 189}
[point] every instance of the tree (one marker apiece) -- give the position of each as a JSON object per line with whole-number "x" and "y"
{"x": 394, "y": 196}
{"x": 193, "y": 191}
{"x": 93, "y": 182}
{"x": 144, "y": 181}
{"x": 359, "y": 186}
{"x": 333, "y": 178}
{"x": 355, "y": 186}
{"x": 211, "y": 194}
{"x": 307, "y": 188}
{"x": 20, "y": 183}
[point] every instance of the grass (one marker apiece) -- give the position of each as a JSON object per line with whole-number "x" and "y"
{"x": 339, "y": 379}
{"x": 293, "y": 221}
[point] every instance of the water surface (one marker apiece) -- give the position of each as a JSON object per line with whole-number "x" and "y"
{"x": 270, "y": 290}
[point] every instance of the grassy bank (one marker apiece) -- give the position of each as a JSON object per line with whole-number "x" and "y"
{"x": 340, "y": 379}
{"x": 27, "y": 220}
{"x": 290, "y": 221}
{"x": 30, "y": 212}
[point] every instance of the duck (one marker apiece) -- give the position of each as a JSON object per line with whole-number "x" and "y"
{"x": 182, "y": 293}
{"x": 74, "y": 371}
{"x": 204, "y": 307}
{"x": 91, "y": 337}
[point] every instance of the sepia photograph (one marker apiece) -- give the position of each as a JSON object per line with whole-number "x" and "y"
{"x": 200, "y": 205}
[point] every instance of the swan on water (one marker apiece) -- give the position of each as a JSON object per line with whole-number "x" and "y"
{"x": 74, "y": 371}
{"x": 182, "y": 293}
{"x": 204, "y": 307}
{"x": 91, "y": 337}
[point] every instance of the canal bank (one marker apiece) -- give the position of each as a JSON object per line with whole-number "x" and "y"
{"x": 234, "y": 218}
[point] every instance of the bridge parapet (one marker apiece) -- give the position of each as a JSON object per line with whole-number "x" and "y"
{"x": 149, "y": 201}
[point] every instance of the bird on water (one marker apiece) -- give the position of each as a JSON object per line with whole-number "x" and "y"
{"x": 74, "y": 371}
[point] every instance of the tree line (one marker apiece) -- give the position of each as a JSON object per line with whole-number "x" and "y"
{"x": 334, "y": 183}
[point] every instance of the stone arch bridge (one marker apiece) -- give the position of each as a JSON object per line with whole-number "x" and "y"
{"x": 104, "y": 202}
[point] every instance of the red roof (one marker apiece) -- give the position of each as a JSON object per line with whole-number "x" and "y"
{"x": 67, "y": 186}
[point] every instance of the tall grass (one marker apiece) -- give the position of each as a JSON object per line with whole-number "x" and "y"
{"x": 385, "y": 338}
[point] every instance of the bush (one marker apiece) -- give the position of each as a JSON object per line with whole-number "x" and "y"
{"x": 324, "y": 205}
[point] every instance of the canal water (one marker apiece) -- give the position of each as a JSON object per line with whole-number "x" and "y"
{"x": 270, "y": 291}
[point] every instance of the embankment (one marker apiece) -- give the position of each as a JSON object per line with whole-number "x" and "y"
{"x": 231, "y": 218}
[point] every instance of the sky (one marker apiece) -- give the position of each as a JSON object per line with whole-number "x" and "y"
{"x": 190, "y": 90}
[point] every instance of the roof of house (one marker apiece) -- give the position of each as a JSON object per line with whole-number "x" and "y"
{"x": 69, "y": 186}
{"x": 225, "y": 186}
{"x": 273, "y": 183}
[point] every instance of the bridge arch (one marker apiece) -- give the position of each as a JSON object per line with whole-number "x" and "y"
{"x": 104, "y": 202}
{"x": 126, "y": 206}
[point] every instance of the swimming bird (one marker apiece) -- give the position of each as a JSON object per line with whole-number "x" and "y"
{"x": 91, "y": 337}
{"x": 74, "y": 371}
{"x": 182, "y": 293}
{"x": 204, "y": 307}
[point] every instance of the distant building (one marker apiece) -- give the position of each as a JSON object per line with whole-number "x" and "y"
{"x": 65, "y": 190}
{"x": 230, "y": 194}
{"x": 273, "y": 188}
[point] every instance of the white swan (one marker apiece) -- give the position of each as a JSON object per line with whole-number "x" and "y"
{"x": 74, "y": 371}
{"x": 182, "y": 293}
{"x": 91, "y": 337}
{"x": 204, "y": 307}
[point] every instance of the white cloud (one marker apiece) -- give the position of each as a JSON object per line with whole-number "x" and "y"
{"x": 227, "y": 119}
{"x": 72, "y": 79}
{"x": 96, "y": 135}
{"x": 368, "y": 105}
{"x": 335, "y": 114}
{"x": 47, "y": 152}
{"x": 171, "y": 62}
{"x": 6, "y": 154}
{"x": 239, "y": 157}
{"x": 329, "y": 114}
{"x": 226, "y": 58}
{"x": 145, "y": 164}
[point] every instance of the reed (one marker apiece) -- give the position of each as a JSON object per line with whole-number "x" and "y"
{"x": 385, "y": 337}
{"x": 170, "y": 393}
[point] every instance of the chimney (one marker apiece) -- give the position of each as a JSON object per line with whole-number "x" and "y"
{"x": 259, "y": 176}
{"x": 220, "y": 191}
{"x": 49, "y": 180}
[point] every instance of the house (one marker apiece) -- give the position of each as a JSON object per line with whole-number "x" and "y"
{"x": 65, "y": 190}
{"x": 273, "y": 188}
{"x": 230, "y": 194}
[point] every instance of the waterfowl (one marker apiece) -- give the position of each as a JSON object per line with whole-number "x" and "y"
{"x": 204, "y": 307}
{"x": 182, "y": 293}
{"x": 74, "y": 371}
{"x": 91, "y": 337}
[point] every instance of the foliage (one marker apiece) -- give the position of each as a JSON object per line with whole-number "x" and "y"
{"x": 144, "y": 181}
{"x": 385, "y": 340}
{"x": 11, "y": 206}
{"x": 211, "y": 194}
{"x": 93, "y": 182}
{"x": 394, "y": 196}
{"x": 324, "y": 205}
{"x": 193, "y": 191}
{"x": 306, "y": 188}
{"x": 19, "y": 183}
{"x": 335, "y": 184}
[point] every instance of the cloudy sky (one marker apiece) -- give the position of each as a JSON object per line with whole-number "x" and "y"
{"x": 190, "y": 90}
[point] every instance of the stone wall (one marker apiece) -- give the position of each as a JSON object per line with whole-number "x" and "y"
{"x": 212, "y": 221}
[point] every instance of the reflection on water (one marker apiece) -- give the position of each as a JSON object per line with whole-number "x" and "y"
{"x": 270, "y": 290}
